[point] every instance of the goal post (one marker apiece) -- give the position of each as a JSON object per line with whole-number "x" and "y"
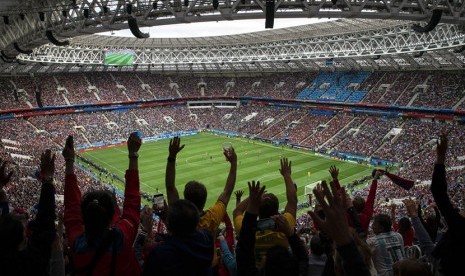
{"x": 309, "y": 188}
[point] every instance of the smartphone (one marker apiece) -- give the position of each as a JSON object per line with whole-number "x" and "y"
{"x": 266, "y": 224}
{"x": 158, "y": 201}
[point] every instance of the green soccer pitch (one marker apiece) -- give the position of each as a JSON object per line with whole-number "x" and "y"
{"x": 118, "y": 59}
{"x": 256, "y": 161}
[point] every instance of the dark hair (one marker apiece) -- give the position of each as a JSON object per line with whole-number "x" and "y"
{"x": 280, "y": 262}
{"x": 316, "y": 246}
{"x": 269, "y": 206}
{"x": 384, "y": 221}
{"x": 98, "y": 208}
{"x": 404, "y": 225}
{"x": 196, "y": 193}
{"x": 359, "y": 204}
{"x": 183, "y": 218}
{"x": 11, "y": 234}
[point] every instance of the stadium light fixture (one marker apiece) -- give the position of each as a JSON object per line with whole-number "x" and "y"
{"x": 433, "y": 22}
{"x": 269, "y": 13}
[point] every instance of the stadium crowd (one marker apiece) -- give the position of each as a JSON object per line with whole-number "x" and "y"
{"x": 46, "y": 228}
{"x": 421, "y": 89}
{"x": 90, "y": 231}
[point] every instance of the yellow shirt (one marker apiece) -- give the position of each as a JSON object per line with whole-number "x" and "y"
{"x": 211, "y": 220}
{"x": 267, "y": 239}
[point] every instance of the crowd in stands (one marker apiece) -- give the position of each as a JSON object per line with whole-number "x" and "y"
{"x": 415, "y": 88}
{"x": 153, "y": 248}
{"x": 388, "y": 228}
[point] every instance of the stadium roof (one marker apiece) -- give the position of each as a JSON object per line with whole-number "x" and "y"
{"x": 366, "y": 41}
{"x": 341, "y": 26}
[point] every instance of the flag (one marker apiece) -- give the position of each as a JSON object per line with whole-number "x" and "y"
{"x": 402, "y": 182}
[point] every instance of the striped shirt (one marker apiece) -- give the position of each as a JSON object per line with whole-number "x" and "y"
{"x": 388, "y": 248}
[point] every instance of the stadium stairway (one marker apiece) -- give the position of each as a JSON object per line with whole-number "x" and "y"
{"x": 337, "y": 133}
{"x": 276, "y": 122}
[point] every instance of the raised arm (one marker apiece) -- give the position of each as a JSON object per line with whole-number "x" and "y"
{"x": 245, "y": 246}
{"x": 46, "y": 215}
{"x": 231, "y": 157}
{"x": 426, "y": 245}
{"x": 439, "y": 185}
{"x": 335, "y": 225}
{"x": 131, "y": 205}
{"x": 74, "y": 225}
{"x": 370, "y": 202}
{"x": 43, "y": 227}
{"x": 170, "y": 175}
{"x": 240, "y": 208}
{"x": 334, "y": 171}
{"x": 291, "y": 190}
{"x": 238, "y": 195}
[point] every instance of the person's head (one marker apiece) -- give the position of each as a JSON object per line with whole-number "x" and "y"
{"x": 359, "y": 204}
{"x": 12, "y": 234}
{"x": 381, "y": 224}
{"x": 183, "y": 218}
{"x": 316, "y": 247}
{"x": 404, "y": 225}
{"x": 98, "y": 208}
{"x": 269, "y": 206}
{"x": 279, "y": 261}
{"x": 196, "y": 193}
{"x": 411, "y": 267}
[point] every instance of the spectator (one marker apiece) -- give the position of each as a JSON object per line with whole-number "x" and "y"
{"x": 317, "y": 258}
{"x": 403, "y": 227}
{"x": 335, "y": 225}
{"x": 449, "y": 250}
{"x": 99, "y": 247}
{"x": 186, "y": 251}
{"x": 196, "y": 192}
{"x": 18, "y": 254}
{"x": 278, "y": 261}
{"x": 388, "y": 246}
{"x": 269, "y": 207}
{"x": 362, "y": 207}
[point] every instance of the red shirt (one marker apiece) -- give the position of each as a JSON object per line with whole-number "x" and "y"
{"x": 408, "y": 236}
{"x": 128, "y": 224}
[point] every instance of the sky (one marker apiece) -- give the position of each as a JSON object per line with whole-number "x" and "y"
{"x": 216, "y": 28}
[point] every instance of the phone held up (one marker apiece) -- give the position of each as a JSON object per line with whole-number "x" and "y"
{"x": 158, "y": 201}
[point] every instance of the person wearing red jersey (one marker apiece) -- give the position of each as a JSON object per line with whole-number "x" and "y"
{"x": 99, "y": 246}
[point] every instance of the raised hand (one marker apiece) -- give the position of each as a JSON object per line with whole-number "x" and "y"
{"x": 175, "y": 147}
{"x": 4, "y": 177}
{"x": 68, "y": 151}
{"x": 255, "y": 197}
{"x": 378, "y": 174}
{"x": 239, "y": 194}
{"x": 230, "y": 155}
{"x": 441, "y": 148}
{"x": 285, "y": 169}
{"x": 411, "y": 207}
{"x": 335, "y": 224}
{"x": 47, "y": 165}
{"x": 334, "y": 172}
{"x": 134, "y": 143}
